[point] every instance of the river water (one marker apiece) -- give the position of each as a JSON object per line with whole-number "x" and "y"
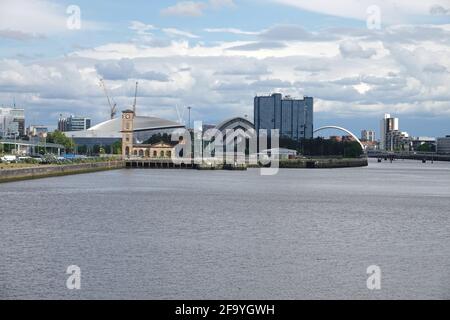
{"x": 186, "y": 234}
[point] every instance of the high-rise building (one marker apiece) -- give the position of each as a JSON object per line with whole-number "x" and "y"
{"x": 73, "y": 123}
{"x": 293, "y": 117}
{"x": 398, "y": 141}
{"x": 388, "y": 124}
{"x": 443, "y": 145}
{"x": 12, "y": 122}
{"x": 368, "y": 136}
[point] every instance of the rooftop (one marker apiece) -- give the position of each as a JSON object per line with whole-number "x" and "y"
{"x": 112, "y": 128}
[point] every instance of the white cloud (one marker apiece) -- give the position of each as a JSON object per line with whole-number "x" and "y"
{"x": 351, "y": 73}
{"x": 195, "y": 8}
{"x": 179, "y": 33}
{"x": 392, "y": 11}
{"x": 232, "y": 31}
{"x": 185, "y": 8}
{"x": 352, "y": 49}
{"x": 37, "y": 17}
{"x": 142, "y": 28}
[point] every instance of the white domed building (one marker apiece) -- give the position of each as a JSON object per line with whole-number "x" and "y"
{"x": 109, "y": 132}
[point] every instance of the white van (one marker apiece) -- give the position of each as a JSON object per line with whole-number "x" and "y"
{"x": 7, "y": 158}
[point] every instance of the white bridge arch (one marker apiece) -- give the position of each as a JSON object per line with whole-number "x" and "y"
{"x": 342, "y": 129}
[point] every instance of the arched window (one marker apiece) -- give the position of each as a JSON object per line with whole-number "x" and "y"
{"x": 162, "y": 154}
{"x": 169, "y": 154}
{"x": 141, "y": 153}
{"x": 127, "y": 151}
{"x": 147, "y": 153}
{"x": 135, "y": 152}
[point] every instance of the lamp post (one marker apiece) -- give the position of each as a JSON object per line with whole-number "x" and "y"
{"x": 189, "y": 122}
{"x": 15, "y": 144}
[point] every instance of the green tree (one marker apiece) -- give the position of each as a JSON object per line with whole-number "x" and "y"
{"x": 426, "y": 147}
{"x": 60, "y": 138}
{"x": 117, "y": 147}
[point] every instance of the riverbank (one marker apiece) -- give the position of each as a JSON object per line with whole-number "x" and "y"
{"x": 306, "y": 163}
{"x": 324, "y": 163}
{"x": 37, "y": 172}
{"x": 40, "y": 171}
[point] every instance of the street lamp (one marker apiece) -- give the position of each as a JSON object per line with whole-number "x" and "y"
{"x": 189, "y": 123}
{"x": 15, "y": 144}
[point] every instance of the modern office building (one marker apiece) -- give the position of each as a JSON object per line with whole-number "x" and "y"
{"x": 443, "y": 145}
{"x": 368, "y": 135}
{"x": 37, "y": 131}
{"x": 12, "y": 122}
{"x": 293, "y": 117}
{"x": 387, "y": 126}
{"x": 73, "y": 123}
{"x": 398, "y": 141}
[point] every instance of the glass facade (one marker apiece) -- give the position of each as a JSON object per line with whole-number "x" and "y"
{"x": 293, "y": 117}
{"x": 74, "y": 124}
{"x": 12, "y": 122}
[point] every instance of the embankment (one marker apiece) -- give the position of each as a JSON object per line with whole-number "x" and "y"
{"x": 9, "y": 175}
{"x": 324, "y": 163}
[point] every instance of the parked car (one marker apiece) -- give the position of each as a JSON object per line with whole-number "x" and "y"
{"x": 8, "y": 158}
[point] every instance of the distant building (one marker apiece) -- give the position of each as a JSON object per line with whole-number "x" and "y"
{"x": 336, "y": 138}
{"x": 37, "y": 131}
{"x": 12, "y": 122}
{"x": 293, "y": 117}
{"x": 107, "y": 133}
{"x": 132, "y": 148}
{"x": 443, "y": 145}
{"x": 282, "y": 153}
{"x": 347, "y": 138}
{"x": 367, "y": 136}
{"x": 388, "y": 124}
{"x": 417, "y": 142}
{"x": 391, "y": 138}
{"x": 370, "y": 145}
{"x": 73, "y": 123}
{"x": 398, "y": 141}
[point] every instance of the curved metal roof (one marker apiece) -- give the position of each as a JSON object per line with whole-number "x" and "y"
{"x": 140, "y": 124}
{"x": 112, "y": 128}
{"x": 235, "y": 122}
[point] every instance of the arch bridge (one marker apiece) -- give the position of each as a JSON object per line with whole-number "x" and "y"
{"x": 344, "y": 130}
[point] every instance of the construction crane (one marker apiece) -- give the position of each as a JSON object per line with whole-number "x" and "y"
{"x": 111, "y": 102}
{"x": 135, "y": 97}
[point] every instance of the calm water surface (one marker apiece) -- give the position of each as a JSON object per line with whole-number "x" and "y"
{"x": 167, "y": 234}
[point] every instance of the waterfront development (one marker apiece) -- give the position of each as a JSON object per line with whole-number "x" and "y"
{"x": 188, "y": 234}
{"x": 220, "y": 151}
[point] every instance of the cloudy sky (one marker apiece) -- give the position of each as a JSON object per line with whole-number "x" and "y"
{"x": 357, "y": 58}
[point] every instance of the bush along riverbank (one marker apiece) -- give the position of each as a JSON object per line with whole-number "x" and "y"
{"x": 45, "y": 171}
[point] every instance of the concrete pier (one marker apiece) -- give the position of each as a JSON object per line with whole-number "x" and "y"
{"x": 169, "y": 164}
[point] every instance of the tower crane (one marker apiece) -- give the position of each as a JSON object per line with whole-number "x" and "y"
{"x": 111, "y": 102}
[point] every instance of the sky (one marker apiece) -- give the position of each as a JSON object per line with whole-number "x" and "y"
{"x": 359, "y": 59}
